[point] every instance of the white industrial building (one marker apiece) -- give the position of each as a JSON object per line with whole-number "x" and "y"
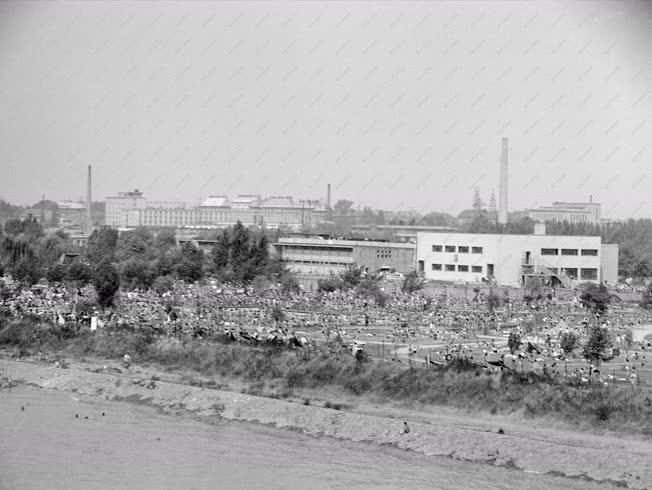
{"x": 514, "y": 259}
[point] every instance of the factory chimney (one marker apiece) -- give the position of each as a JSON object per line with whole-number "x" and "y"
{"x": 328, "y": 196}
{"x": 88, "y": 203}
{"x": 502, "y": 192}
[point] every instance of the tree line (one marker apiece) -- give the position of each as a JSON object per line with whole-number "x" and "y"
{"x": 136, "y": 259}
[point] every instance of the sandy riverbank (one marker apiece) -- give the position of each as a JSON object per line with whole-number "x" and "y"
{"x": 610, "y": 458}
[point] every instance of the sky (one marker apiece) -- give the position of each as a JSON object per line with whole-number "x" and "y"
{"x": 399, "y": 105}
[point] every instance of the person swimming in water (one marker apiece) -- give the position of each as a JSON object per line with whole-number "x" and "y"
{"x": 406, "y": 428}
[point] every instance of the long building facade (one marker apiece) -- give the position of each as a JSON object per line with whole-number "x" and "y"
{"x": 516, "y": 259}
{"x": 322, "y": 257}
{"x": 573, "y": 212}
{"x": 130, "y": 209}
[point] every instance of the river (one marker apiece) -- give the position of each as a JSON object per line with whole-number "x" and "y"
{"x": 61, "y": 441}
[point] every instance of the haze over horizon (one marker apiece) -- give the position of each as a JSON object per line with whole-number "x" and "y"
{"x": 397, "y": 105}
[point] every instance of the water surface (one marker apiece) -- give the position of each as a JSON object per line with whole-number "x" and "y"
{"x": 51, "y": 444}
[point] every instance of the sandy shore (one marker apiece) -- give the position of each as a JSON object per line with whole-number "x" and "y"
{"x": 615, "y": 459}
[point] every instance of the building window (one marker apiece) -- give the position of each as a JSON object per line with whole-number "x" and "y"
{"x": 476, "y": 250}
{"x": 450, "y": 267}
{"x": 589, "y": 274}
{"x": 590, "y": 251}
{"x": 476, "y": 268}
{"x": 450, "y": 248}
{"x": 569, "y": 251}
{"x": 463, "y": 250}
{"x": 436, "y": 248}
{"x": 463, "y": 268}
{"x": 436, "y": 267}
{"x": 549, "y": 251}
{"x": 570, "y": 272}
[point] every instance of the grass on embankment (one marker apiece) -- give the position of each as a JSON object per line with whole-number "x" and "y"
{"x": 460, "y": 384}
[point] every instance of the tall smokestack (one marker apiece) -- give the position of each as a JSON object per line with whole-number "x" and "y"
{"x": 328, "y": 196}
{"x": 502, "y": 196}
{"x": 89, "y": 222}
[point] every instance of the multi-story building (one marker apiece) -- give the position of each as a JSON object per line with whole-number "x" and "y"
{"x": 117, "y": 207}
{"x": 321, "y": 257}
{"x": 516, "y": 259}
{"x": 129, "y": 210}
{"x": 573, "y": 212}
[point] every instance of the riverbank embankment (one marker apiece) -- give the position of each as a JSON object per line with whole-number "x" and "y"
{"x": 617, "y": 460}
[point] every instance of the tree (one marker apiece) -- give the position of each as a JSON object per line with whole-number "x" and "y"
{"x": 369, "y": 287}
{"x": 239, "y": 246}
{"x": 477, "y": 200}
{"x": 190, "y": 263}
{"x": 136, "y": 273}
{"x": 277, "y": 314}
{"x": 56, "y": 273}
{"x": 106, "y": 282}
{"x": 290, "y": 284}
{"x": 136, "y": 243}
{"x": 514, "y": 342}
{"x": 351, "y": 276}
{"x": 32, "y": 229}
{"x": 493, "y": 301}
{"x": 28, "y": 270}
{"x": 14, "y": 227}
{"x": 492, "y": 203}
{"x": 412, "y": 283}
{"x": 165, "y": 240}
{"x": 79, "y": 273}
{"x": 595, "y": 297}
{"x": 343, "y": 207}
{"x": 102, "y": 245}
{"x": 221, "y": 251}
{"x": 646, "y": 300}
{"x": 568, "y": 342}
{"x": 595, "y": 349}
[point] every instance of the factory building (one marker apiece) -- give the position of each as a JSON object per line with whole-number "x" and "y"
{"x": 321, "y": 257}
{"x": 516, "y": 259}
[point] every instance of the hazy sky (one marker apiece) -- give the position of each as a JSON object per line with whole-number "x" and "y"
{"x": 397, "y": 105}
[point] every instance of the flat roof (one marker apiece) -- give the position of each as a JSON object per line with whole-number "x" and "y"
{"x": 342, "y": 243}
{"x": 511, "y": 234}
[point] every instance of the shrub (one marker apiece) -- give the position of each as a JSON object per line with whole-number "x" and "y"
{"x": 290, "y": 284}
{"x": 568, "y": 342}
{"x": 163, "y": 284}
{"x": 56, "y": 273}
{"x": 79, "y": 273}
{"x": 514, "y": 342}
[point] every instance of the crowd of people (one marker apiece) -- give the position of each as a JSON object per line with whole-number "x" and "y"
{"x": 440, "y": 326}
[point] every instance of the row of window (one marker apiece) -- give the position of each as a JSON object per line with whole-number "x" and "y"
{"x": 585, "y": 273}
{"x": 462, "y": 249}
{"x": 460, "y": 268}
{"x": 569, "y": 251}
